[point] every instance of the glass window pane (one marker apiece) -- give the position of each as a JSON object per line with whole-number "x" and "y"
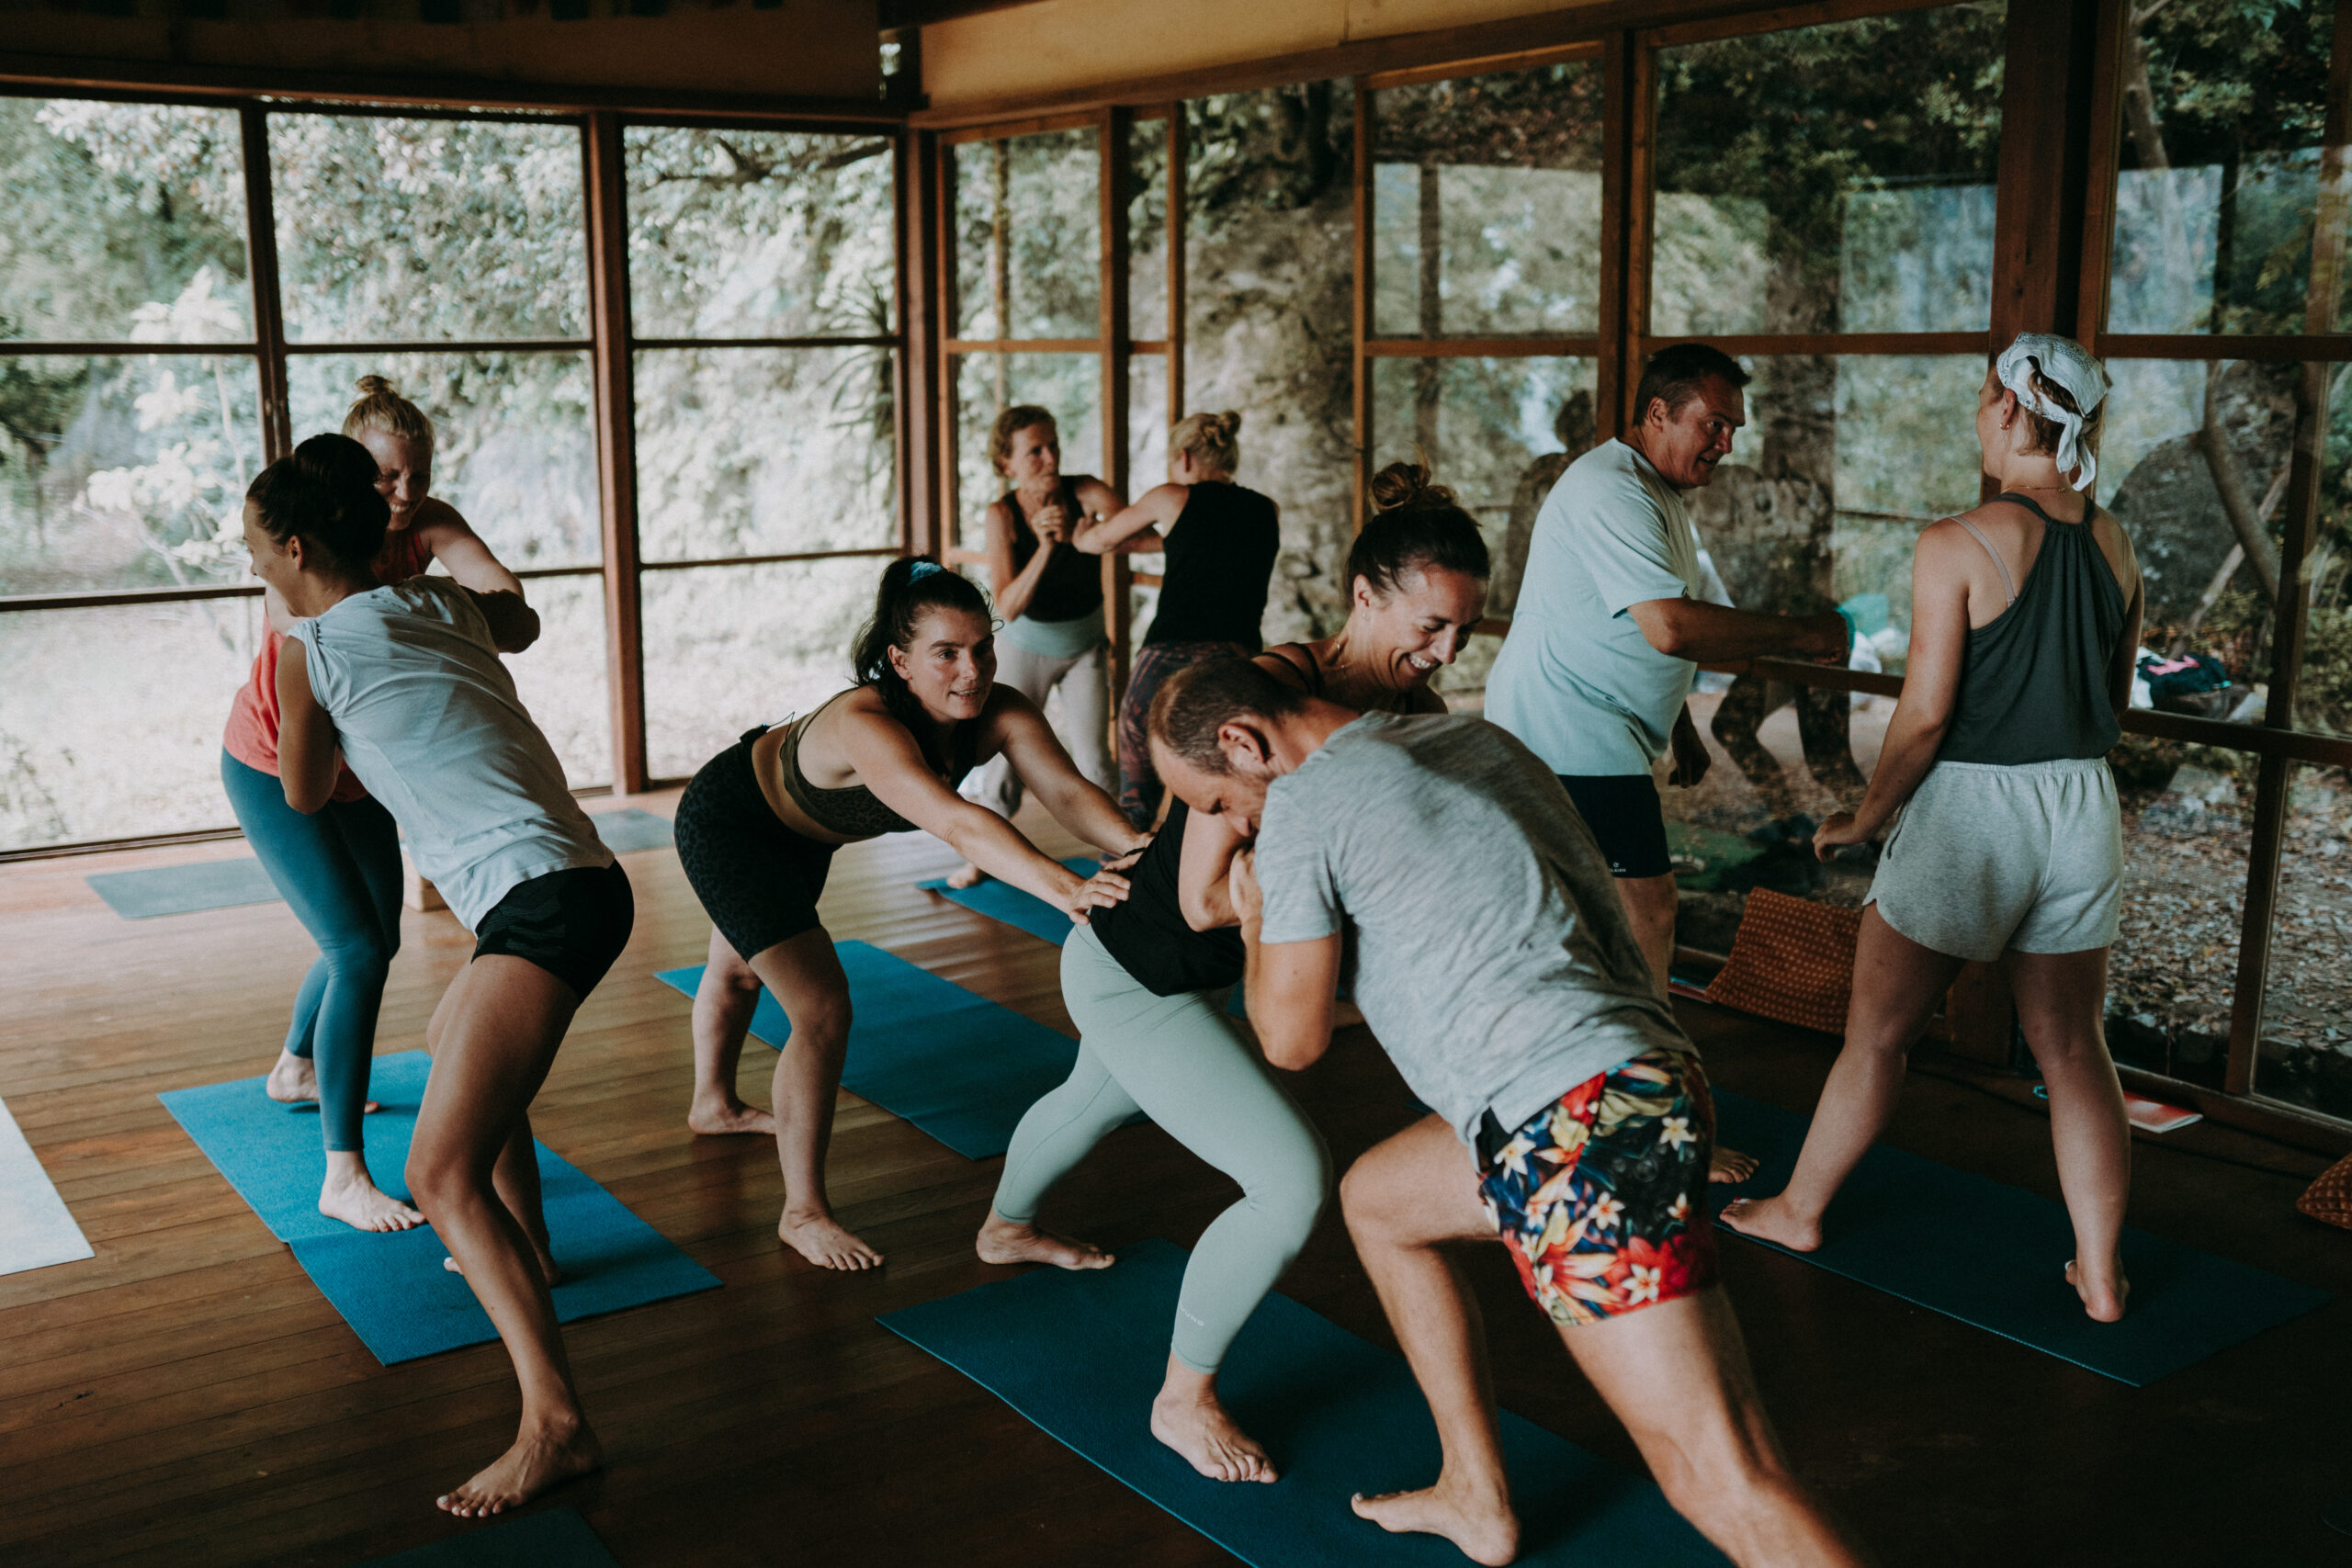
{"x": 758, "y": 451}
{"x": 1486, "y": 204}
{"x": 1069, "y": 384}
{"x": 126, "y": 223}
{"x": 2219, "y": 183}
{"x": 1148, "y": 422}
{"x": 417, "y": 230}
{"x": 514, "y": 449}
{"x": 1878, "y": 218}
{"x": 125, "y": 473}
{"x": 1148, "y": 230}
{"x": 2306, "y": 1051}
{"x": 112, "y": 726}
{"x": 729, "y": 647}
{"x": 1028, "y": 237}
{"x": 760, "y": 233}
{"x": 563, "y": 677}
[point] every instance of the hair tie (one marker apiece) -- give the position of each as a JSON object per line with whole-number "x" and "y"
{"x": 921, "y": 570}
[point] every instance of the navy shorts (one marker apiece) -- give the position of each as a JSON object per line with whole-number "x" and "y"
{"x": 1626, "y": 819}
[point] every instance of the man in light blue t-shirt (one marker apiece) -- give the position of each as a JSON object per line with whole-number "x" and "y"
{"x": 1612, "y": 623}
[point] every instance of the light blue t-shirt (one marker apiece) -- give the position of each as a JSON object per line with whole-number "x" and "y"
{"x": 1575, "y": 678}
{"x": 427, "y": 717}
{"x": 1492, "y": 954}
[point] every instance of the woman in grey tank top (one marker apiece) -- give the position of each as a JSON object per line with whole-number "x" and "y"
{"x": 2025, "y": 617}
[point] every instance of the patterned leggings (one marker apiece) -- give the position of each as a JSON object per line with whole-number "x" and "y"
{"x": 1138, "y": 784}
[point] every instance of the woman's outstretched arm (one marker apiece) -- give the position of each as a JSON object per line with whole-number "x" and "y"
{"x": 1141, "y": 527}
{"x": 305, "y": 734}
{"x": 455, "y": 546}
{"x": 1044, "y": 769}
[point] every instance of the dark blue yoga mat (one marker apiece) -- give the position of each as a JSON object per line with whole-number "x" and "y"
{"x": 1002, "y": 901}
{"x": 558, "y": 1537}
{"x": 1082, "y": 1353}
{"x": 955, "y": 1065}
{"x": 184, "y": 889}
{"x": 629, "y": 830}
{"x": 391, "y": 1288}
{"x": 2339, "y": 1518}
{"x": 1995, "y": 1255}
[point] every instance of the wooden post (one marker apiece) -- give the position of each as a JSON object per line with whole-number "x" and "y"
{"x": 261, "y": 268}
{"x": 615, "y": 442}
{"x": 1118, "y": 126}
{"x": 921, "y": 509}
{"x": 1360, "y": 307}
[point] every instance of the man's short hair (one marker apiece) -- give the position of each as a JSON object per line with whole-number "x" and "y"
{"x": 1194, "y": 704}
{"x": 1675, "y": 372}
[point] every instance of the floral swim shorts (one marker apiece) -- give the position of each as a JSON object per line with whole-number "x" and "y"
{"x": 1601, "y": 1197}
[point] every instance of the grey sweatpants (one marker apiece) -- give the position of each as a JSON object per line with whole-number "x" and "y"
{"x": 1184, "y": 1064}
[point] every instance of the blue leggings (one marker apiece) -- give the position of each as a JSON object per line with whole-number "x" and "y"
{"x": 341, "y": 871}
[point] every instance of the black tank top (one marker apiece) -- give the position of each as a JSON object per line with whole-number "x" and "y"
{"x": 1072, "y": 585}
{"x": 1220, "y": 555}
{"x": 1147, "y": 934}
{"x": 2035, "y": 683}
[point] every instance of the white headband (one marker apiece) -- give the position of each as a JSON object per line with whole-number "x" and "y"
{"x": 2061, "y": 361}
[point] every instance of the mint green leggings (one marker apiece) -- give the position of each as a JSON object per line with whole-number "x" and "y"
{"x": 1186, "y": 1066}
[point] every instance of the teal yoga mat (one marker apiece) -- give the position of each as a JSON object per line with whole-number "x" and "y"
{"x": 391, "y": 1288}
{"x": 1002, "y": 901}
{"x": 558, "y": 1537}
{"x": 1995, "y": 1255}
{"x": 184, "y": 889}
{"x": 1080, "y": 1354}
{"x": 955, "y": 1065}
{"x": 628, "y": 830}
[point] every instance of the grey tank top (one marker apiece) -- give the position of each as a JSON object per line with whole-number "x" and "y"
{"x": 2034, "y": 683}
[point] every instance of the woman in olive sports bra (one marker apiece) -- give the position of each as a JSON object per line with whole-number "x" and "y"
{"x": 756, "y": 831}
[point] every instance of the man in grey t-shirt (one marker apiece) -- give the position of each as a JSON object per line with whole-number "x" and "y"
{"x": 1496, "y": 964}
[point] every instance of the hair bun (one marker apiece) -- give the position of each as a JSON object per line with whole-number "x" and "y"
{"x": 1229, "y": 423}
{"x": 373, "y": 386}
{"x": 1408, "y": 484}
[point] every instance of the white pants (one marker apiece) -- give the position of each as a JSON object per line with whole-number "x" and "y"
{"x": 1084, "y": 730}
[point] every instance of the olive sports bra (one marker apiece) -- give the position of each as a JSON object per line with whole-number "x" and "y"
{"x": 854, "y": 811}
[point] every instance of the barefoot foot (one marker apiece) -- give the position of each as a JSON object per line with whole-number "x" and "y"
{"x": 1485, "y": 1530}
{"x": 547, "y": 1270}
{"x": 1007, "y": 1241}
{"x": 294, "y": 1081}
{"x": 1202, "y": 1433}
{"x": 967, "y": 876}
{"x": 361, "y": 1204}
{"x": 717, "y": 1117}
{"x": 825, "y": 1242}
{"x": 1730, "y": 1165}
{"x": 539, "y": 1462}
{"x": 1769, "y": 1219}
{"x": 2104, "y": 1303}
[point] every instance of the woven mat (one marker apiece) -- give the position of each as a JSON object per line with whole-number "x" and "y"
{"x": 1792, "y": 962}
{"x": 2330, "y": 1198}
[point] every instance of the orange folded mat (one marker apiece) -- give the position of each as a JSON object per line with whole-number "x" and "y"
{"x": 2330, "y": 1198}
{"x": 1792, "y": 962}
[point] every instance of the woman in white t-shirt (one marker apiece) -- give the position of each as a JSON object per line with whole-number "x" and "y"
{"x": 405, "y": 680}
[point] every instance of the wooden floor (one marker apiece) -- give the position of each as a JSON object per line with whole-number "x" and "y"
{"x": 186, "y": 1397}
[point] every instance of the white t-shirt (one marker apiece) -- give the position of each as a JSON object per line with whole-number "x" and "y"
{"x": 427, "y": 717}
{"x": 1575, "y": 678}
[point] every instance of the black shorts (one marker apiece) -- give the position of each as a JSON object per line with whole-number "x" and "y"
{"x": 570, "y": 923}
{"x": 757, "y": 880}
{"x": 1626, "y": 819}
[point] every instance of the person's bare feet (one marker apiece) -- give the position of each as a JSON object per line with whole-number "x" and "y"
{"x": 1007, "y": 1241}
{"x": 539, "y": 1462}
{"x": 967, "y": 876}
{"x": 2105, "y": 1302}
{"x": 826, "y": 1241}
{"x": 294, "y": 1079}
{"x": 548, "y": 1269}
{"x": 1769, "y": 1219}
{"x": 717, "y": 1116}
{"x": 1196, "y": 1423}
{"x": 1730, "y": 1165}
{"x": 358, "y": 1202}
{"x": 1484, "y": 1529}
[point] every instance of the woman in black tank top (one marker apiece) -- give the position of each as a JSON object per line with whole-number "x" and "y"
{"x": 2025, "y": 615}
{"x": 1220, "y": 540}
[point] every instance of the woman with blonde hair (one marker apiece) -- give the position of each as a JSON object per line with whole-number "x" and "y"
{"x": 2009, "y": 848}
{"x": 1220, "y": 540}
{"x": 340, "y": 868}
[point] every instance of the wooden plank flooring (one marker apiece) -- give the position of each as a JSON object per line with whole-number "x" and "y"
{"x": 186, "y": 1397}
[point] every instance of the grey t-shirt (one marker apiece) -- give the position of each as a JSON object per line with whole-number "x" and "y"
{"x": 1492, "y": 954}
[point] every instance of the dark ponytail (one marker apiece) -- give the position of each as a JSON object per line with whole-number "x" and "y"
{"x": 324, "y": 491}
{"x": 1419, "y": 525}
{"x": 910, "y": 585}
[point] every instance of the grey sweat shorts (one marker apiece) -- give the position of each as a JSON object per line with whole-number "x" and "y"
{"x": 1988, "y": 859}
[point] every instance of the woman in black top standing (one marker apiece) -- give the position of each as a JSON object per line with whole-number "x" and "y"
{"x": 1050, "y": 595}
{"x": 1220, "y": 540}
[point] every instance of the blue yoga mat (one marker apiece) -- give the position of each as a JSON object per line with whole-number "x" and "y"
{"x": 2339, "y": 1518}
{"x": 1082, "y": 1353}
{"x": 391, "y": 1287}
{"x": 1002, "y": 901}
{"x": 955, "y": 1065}
{"x": 1995, "y": 1255}
{"x": 629, "y": 830}
{"x": 184, "y": 889}
{"x": 558, "y": 1537}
